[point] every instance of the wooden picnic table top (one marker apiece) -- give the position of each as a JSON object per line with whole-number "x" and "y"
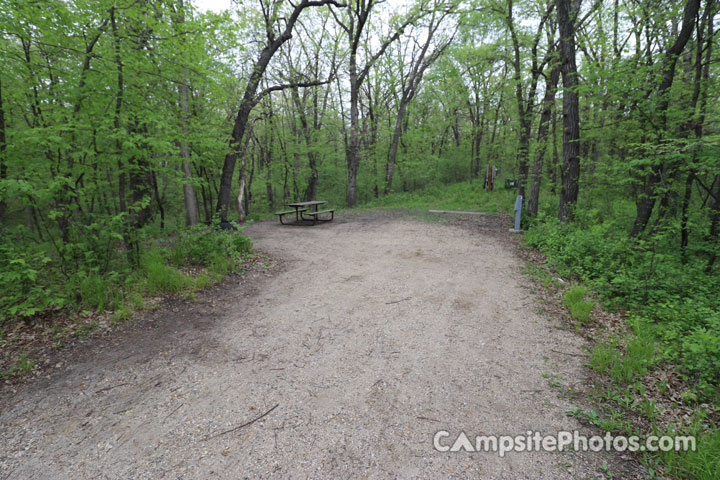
{"x": 306, "y": 204}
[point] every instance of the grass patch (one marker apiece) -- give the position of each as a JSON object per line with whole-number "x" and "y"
{"x": 97, "y": 292}
{"x": 21, "y": 367}
{"x": 161, "y": 277}
{"x": 459, "y": 196}
{"x": 123, "y": 313}
{"x": 702, "y": 464}
{"x": 580, "y": 308}
{"x": 624, "y": 360}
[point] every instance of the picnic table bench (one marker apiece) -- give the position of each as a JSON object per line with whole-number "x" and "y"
{"x": 300, "y": 209}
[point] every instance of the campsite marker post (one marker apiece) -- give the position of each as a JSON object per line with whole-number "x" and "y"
{"x": 518, "y": 213}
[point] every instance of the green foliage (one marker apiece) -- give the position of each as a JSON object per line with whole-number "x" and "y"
{"x": 703, "y": 463}
{"x": 459, "y": 196}
{"x": 97, "y": 292}
{"x": 221, "y": 251}
{"x": 137, "y": 301}
{"x": 161, "y": 277}
{"x": 123, "y": 313}
{"x": 33, "y": 282}
{"x": 23, "y": 283}
{"x": 701, "y": 356}
{"x": 678, "y": 302}
{"x": 626, "y": 360}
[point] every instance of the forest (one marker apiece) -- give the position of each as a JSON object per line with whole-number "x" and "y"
{"x": 128, "y": 127}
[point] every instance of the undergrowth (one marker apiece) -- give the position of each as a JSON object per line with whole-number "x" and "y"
{"x": 33, "y": 283}
{"x": 672, "y": 302}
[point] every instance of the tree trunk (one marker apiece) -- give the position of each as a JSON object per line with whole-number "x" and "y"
{"x": 556, "y": 155}
{"x": 120, "y": 85}
{"x": 646, "y": 202}
{"x": 392, "y": 154}
{"x": 353, "y": 160}
{"x": 249, "y": 100}
{"x": 241, "y": 195}
{"x": 547, "y": 112}
{"x": 714, "y": 236}
{"x": 696, "y": 123}
{"x": 359, "y": 12}
{"x": 3, "y": 164}
{"x": 241, "y": 199}
{"x": 191, "y": 210}
{"x": 567, "y": 11}
{"x": 311, "y": 190}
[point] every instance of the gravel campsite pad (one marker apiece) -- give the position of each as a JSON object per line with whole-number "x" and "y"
{"x": 372, "y": 333}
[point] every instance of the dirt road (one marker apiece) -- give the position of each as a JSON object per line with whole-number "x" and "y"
{"x": 374, "y": 333}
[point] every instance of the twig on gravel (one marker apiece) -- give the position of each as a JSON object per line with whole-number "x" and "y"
{"x": 398, "y": 301}
{"x": 570, "y": 354}
{"x": 243, "y": 425}
{"x": 170, "y": 414}
{"x": 111, "y": 387}
{"x": 428, "y": 419}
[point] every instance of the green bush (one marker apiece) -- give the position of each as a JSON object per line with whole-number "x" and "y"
{"x": 701, "y": 358}
{"x": 91, "y": 272}
{"x": 221, "y": 251}
{"x": 97, "y": 292}
{"x": 26, "y": 283}
{"x": 161, "y": 277}
{"x": 678, "y": 300}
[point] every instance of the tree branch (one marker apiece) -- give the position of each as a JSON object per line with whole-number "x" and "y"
{"x": 284, "y": 86}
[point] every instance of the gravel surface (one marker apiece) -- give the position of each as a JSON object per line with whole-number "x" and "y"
{"x": 373, "y": 332}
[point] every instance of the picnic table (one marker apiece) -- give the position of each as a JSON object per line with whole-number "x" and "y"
{"x": 301, "y": 210}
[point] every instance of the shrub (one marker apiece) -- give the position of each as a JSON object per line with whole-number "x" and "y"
{"x": 25, "y": 285}
{"x": 678, "y": 300}
{"x": 701, "y": 359}
{"x": 219, "y": 250}
{"x": 97, "y": 291}
{"x": 161, "y": 277}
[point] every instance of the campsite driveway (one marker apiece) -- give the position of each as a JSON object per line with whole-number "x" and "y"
{"x": 373, "y": 333}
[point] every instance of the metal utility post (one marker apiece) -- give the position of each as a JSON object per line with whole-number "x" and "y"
{"x": 518, "y": 214}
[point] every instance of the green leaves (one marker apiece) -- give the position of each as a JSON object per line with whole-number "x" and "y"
{"x": 23, "y": 284}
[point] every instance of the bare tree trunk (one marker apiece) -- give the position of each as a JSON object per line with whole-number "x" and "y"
{"x": 241, "y": 199}
{"x": 250, "y": 100}
{"x": 525, "y": 106}
{"x": 353, "y": 159}
{"x": 392, "y": 154}
{"x": 122, "y": 179}
{"x": 3, "y": 149}
{"x": 311, "y": 191}
{"x": 206, "y": 198}
{"x": 241, "y": 195}
{"x": 714, "y": 236}
{"x": 268, "y": 172}
{"x": 191, "y": 211}
{"x": 410, "y": 87}
{"x": 556, "y": 156}
{"x": 359, "y": 12}
{"x": 567, "y": 12}
{"x": 646, "y": 202}
{"x": 700, "y": 92}
{"x": 548, "y": 104}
